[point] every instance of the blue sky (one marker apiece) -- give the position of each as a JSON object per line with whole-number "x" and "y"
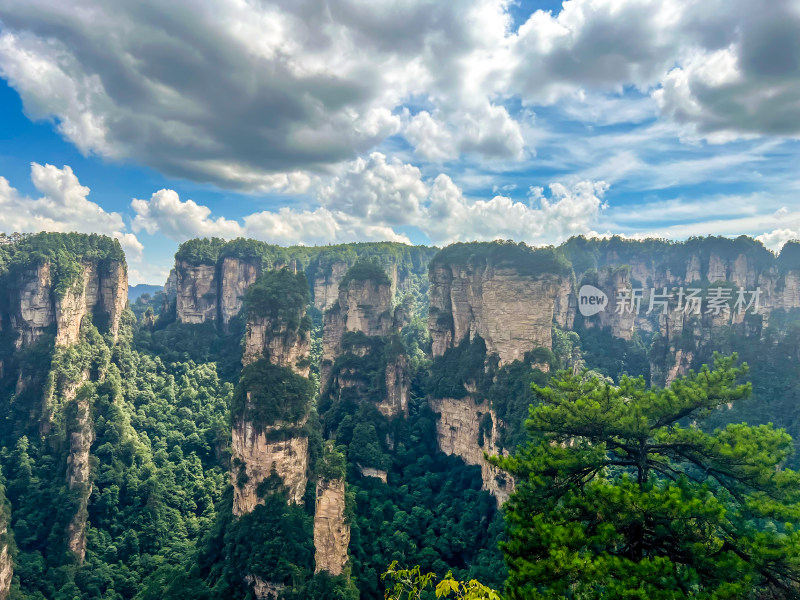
{"x": 416, "y": 121}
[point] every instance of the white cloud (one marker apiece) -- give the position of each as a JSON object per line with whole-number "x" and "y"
{"x": 774, "y": 240}
{"x": 263, "y": 96}
{"x": 487, "y": 130}
{"x": 375, "y": 196}
{"x": 179, "y": 220}
{"x": 63, "y": 206}
{"x": 570, "y": 210}
{"x": 320, "y": 226}
{"x": 600, "y": 45}
{"x": 236, "y": 93}
{"x": 377, "y": 191}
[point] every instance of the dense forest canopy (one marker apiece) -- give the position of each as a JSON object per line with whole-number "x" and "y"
{"x": 155, "y": 406}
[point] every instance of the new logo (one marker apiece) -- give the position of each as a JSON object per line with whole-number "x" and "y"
{"x": 591, "y": 300}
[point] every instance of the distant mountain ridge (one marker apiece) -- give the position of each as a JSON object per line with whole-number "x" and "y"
{"x": 136, "y": 291}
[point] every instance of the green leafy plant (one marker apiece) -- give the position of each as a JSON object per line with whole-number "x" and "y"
{"x": 409, "y": 584}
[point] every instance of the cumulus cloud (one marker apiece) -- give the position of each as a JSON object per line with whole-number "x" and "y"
{"x": 774, "y": 240}
{"x": 244, "y": 95}
{"x": 63, "y": 206}
{"x": 374, "y": 197}
{"x": 570, "y": 210}
{"x": 377, "y": 191}
{"x": 256, "y": 96}
{"x": 179, "y": 220}
{"x": 487, "y": 130}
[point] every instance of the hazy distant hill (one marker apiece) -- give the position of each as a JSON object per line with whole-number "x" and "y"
{"x": 134, "y": 291}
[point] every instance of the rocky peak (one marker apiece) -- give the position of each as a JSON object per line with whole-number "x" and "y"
{"x": 364, "y": 305}
{"x": 196, "y": 292}
{"x": 81, "y": 438}
{"x": 274, "y": 395}
{"x": 6, "y": 564}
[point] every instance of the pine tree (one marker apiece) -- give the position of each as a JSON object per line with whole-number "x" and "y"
{"x": 621, "y": 493}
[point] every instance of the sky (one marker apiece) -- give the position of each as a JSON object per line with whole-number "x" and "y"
{"x": 420, "y": 121}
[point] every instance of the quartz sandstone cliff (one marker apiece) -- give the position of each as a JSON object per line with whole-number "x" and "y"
{"x": 254, "y": 448}
{"x": 331, "y": 532}
{"x": 278, "y": 343}
{"x": 81, "y": 437}
{"x": 101, "y": 290}
{"x": 6, "y": 568}
{"x": 683, "y": 335}
{"x": 196, "y": 292}
{"x": 259, "y": 457}
{"x": 512, "y": 312}
{"x": 236, "y": 275}
{"x": 363, "y": 306}
{"x": 459, "y": 429}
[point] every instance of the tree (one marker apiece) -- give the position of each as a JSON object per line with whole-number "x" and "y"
{"x": 621, "y": 493}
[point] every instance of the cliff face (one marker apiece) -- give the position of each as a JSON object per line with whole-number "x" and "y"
{"x": 363, "y": 306}
{"x": 512, "y": 312}
{"x": 331, "y": 532}
{"x": 236, "y": 275}
{"x": 279, "y": 342}
{"x": 196, "y": 292}
{"x": 281, "y": 345}
{"x": 459, "y": 429}
{"x": 683, "y": 335}
{"x": 282, "y": 447}
{"x": 78, "y": 476}
{"x": 398, "y": 380}
{"x": 326, "y": 285}
{"x": 6, "y": 565}
{"x": 264, "y": 590}
{"x": 259, "y": 456}
{"x": 6, "y": 568}
{"x": 35, "y": 307}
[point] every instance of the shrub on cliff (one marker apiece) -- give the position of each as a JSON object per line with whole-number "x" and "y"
{"x": 65, "y": 252}
{"x": 281, "y": 296}
{"x": 268, "y": 394}
{"x": 367, "y": 269}
{"x": 519, "y": 256}
{"x": 200, "y": 251}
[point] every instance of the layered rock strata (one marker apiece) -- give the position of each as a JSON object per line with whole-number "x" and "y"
{"x": 363, "y": 306}
{"x": 512, "y": 312}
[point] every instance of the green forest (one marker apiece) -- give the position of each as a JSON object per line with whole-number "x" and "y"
{"x": 625, "y": 487}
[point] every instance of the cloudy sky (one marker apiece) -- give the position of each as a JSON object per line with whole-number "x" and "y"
{"x": 425, "y": 121}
